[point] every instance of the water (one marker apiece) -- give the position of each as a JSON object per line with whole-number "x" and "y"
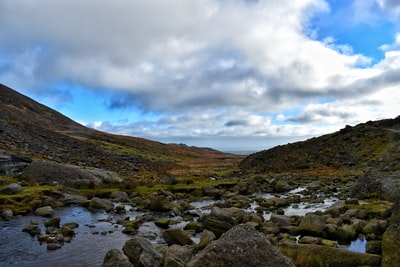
{"x": 358, "y": 245}
{"x": 86, "y": 248}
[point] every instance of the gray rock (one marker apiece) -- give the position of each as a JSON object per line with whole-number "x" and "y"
{"x": 53, "y": 222}
{"x": 101, "y": 204}
{"x": 221, "y": 220}
{"x": 6, "y": 215}
{"x": 177, "y": 237}
{"x": 177, "y": 256}
{"x": 115, "y": 258}
{"x": 206, "y": 238}
{"x": 312, "y": 224}
{"x": 141, "y": 253}
{"x": 280, "y": 220}
{"x": 119, "y": 196}
{"x": 45, "y": 211}
{"x": 11, "y": 189}
{"x": 241, "y": 246}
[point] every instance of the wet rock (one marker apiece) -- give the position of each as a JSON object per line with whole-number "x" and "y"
{"x": 312, "y": 224}
{"x": 177, "y": 236}
{"x": 32, "y": 228}
{"x": 45, "y": 211}
{"x": 53, "y": 246}
{"x": 6, "y": 215}
{"x": 115, "y": 258}
{"x": 177, "y": 256}
{"x": 101, "y": 204}
{"x": 241, "y": 246}
{"x": 141, "y": 253}
{"x": 163, "y": 223}
{"x": 66, "y": 231}
{"x": 281, "y": 186}
{"x": 71, "y": 225}
{"x": 54, "y": 222}
{"x": 11, "y": 189}
{"x": 120, "y": 209}
{"x": 315, "y": 255}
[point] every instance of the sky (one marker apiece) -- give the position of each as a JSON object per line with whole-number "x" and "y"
{"x": 234, "y": 75}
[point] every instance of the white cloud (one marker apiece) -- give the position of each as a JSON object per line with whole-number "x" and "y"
{"x": 210, "y": 67}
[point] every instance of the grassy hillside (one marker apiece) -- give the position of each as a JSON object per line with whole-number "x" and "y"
{"x": 374, "y": 144}
{"x": 31, "y": 129}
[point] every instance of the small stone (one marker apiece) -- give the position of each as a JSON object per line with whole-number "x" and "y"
{"x": 53, "y": 246}
{"x": 11, "y": 189}
{"x": 45, "y": 211}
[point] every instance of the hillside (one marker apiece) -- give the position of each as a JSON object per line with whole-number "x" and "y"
{"x": 375, "y": 144}
{"x": 30, "y": 129}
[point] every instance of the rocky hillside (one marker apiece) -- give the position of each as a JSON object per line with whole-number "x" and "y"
{"x": 375, "y": 144}
{"x": 30, "y": 130}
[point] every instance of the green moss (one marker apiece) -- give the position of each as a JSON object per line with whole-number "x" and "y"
{"x": 374, "y": 206}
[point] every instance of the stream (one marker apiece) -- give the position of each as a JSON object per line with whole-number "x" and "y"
{"x": 98, "y": 233}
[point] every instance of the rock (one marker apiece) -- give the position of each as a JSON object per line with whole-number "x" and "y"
{"x": 101, "y": 204}
{"x": 45, "y": 211}
{"x": 6, "y": 215}
{"x": 312, "y": 224}
{"x": 11, "y": 165}
{"x": 221, "y": 220}
{"x": 391, "y": 239}
{"x": 281, "y": 186}
{"x": 32, "y": 228}
{"x": 119, "y": 196}
{"x": 71, "y": 225}
{"x": 53, "y": 246}
{"x": 210, "y": 191}
{"x": 206, "y": 238}
{"x": 115, "y": 258}
{"x": 316, "y": 255}
{"x": 374, "y": 247}
{"x": 54, "y": 222}
{"x": 177, "y": 236}
{"x": 163, "y": 223}
{"x": 141, "y": 253}
{"x": 177, "y": 256}
{"x": 120, "y": 208}
{"x": 375, "y": 227}
{"x": 194, "y": 226}
{"x": 66, "y": 231}
{"x": 11, "y": 189}
{"x": 280, "y": 220}
{"x": 158, "y": 202}
{"x": 241, "y": 246}
{"x": 69, "y": 199}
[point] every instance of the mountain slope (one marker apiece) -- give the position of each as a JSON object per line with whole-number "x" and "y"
{"x": 31, "y": 129}
{"x": 375, "y": 144}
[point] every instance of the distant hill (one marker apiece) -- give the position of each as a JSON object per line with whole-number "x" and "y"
{"x": 31, "y": 129}
{"x": 374, "y": 143}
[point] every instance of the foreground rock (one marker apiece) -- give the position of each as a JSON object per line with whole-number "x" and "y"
{"x": 11, "y": 189}
{"x": 316, "y": 255}
{"x": 141, "y": 253}
{"x": 241, "y": 246}
{"x": 115, "y": 258}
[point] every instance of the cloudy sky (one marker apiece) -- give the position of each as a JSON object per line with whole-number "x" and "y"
{"x": 228, "y": 74}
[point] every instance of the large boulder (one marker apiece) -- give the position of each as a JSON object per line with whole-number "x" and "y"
{"x": 221, "y": 220}
{"x": 391, "y": 239}
{"x": 177, "y": 256}
{"x": 316, "y": 255}
{"x": 141, "y": 253}
{"x": 115, "y": 258}
{"x": 312, "y": 224}
{"x": 241, "y": 246}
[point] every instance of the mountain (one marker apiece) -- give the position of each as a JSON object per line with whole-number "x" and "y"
{"x": 374, "y": 143}
{"x": 30, "y": 129}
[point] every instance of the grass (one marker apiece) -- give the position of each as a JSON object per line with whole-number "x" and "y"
{"x": 373, "y": 206}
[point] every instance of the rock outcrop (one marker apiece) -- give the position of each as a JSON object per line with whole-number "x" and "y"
{"x": 241, "y": 246}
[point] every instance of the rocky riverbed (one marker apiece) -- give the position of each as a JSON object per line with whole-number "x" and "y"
{"x": 301, "y": 219}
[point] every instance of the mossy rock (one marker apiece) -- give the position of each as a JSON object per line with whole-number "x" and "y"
{"x": 54, "y": 222}
{"x": 163, "y": 223}
{"x": 316, "y": 255}
{"x": 66, "y": 231}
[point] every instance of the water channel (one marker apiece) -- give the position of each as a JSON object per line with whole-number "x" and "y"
{"x": 98, "y": 232}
